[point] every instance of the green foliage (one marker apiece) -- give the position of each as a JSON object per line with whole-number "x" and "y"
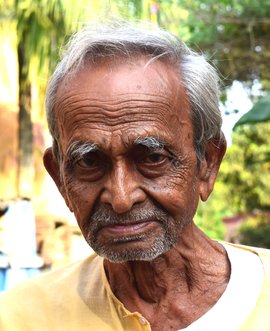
{"x": 41, "y": 28}
{"x": 235, "y": 33}
{"x": 256, "y": 231}
{"x": 260, "y": 112}
{"x": 209, "y": 220}
{"x": 173, "y": 17}
{"x": 243, "y": 183}
{"x": 210, "y": 213}
{"x": 245, "y": 171}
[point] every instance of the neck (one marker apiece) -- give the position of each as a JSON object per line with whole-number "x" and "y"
{"x": 182, "y": 276}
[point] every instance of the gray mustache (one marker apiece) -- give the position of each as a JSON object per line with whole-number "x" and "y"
{"x": 105, "y": 215}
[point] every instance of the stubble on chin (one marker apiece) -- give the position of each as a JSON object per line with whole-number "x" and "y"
{"x": 142, "y": 247}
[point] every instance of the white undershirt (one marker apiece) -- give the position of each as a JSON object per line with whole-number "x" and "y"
{"x": 240, "y": 296}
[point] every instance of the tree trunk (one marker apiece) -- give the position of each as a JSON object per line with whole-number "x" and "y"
{"x": 25, "y": 177}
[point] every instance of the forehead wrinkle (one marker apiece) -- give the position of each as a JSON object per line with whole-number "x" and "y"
{"x": 129, "y": 113}
{"x": 112, "y": 106}
{"x": 86, "y": 118}
{"x": 124, "y": 125}
{"x": 97, "y": 96}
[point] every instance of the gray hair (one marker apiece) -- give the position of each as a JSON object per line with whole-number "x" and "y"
{"x": 122, "y": 39}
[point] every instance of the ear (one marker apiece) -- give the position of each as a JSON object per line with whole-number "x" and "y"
{"x": 213, "y": 155}
{"x": 53, "y": 168}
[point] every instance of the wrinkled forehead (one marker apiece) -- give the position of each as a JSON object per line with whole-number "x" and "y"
{"x": 120, "y": 95}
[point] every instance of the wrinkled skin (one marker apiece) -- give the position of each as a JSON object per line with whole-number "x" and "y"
{"x": 111, "y": 106}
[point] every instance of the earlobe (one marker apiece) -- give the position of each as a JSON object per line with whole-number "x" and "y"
{"x": 214, "y": 152}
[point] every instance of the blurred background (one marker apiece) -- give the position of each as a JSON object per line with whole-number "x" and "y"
{"x": 37, "y": 232}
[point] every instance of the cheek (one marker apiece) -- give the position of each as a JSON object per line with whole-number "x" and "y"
{"x": 176, "y": 194}
{"x": 81, "y": 196}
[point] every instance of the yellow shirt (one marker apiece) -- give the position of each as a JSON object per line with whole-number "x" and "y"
{"x": 78, "y": 297}
{"x": 259, "y": 319}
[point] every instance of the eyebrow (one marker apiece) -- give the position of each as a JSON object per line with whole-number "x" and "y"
{"x": 77, "y": 150}
{"x": 152, "y": 143}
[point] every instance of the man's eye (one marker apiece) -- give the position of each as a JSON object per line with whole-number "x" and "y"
{"x": 155, "y": 158}
{"x": 154, "y": 164}
{"x": 89, "y": 161}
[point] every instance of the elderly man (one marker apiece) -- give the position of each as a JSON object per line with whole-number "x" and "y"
{"x": 136, "y": 143}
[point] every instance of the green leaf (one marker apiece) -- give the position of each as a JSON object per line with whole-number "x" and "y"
{"x": 260, "y": 112}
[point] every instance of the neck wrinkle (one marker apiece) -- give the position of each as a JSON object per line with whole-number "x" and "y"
{"x": 192, "y": 267}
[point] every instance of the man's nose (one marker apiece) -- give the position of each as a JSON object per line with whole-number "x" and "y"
{"x": 121, "y": 189}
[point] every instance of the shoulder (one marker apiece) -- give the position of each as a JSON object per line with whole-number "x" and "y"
{"x": 263, "y": 253}
{"x": 264, "y": 256}
{"x": 259, "y": 318}
{"x": 42, "y": 294}
{"x": 52, "y": 280}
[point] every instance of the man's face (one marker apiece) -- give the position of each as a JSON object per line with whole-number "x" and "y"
{"x": 129, "y": 170}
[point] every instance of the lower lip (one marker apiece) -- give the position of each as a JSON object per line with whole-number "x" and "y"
{"x": 127, "y": 229}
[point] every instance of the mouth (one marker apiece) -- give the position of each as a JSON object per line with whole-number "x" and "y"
{"x": 127, "y": 230}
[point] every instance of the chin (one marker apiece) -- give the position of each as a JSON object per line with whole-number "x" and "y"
{"x": 120, "y": 252}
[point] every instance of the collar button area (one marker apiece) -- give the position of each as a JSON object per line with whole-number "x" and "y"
{"x": 142, "y": 320}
